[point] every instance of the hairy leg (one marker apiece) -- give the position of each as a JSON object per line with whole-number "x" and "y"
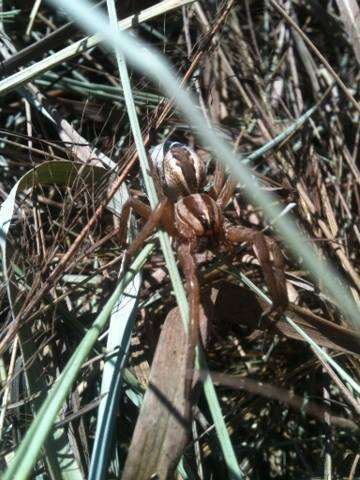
{"x": 226, "y": 193}
{"x": 273, "y": 269}
{"x": 154, "y": 219}
{"x": 189, "y": 267}
{"x": 223, "y": 189}
{"x": 219, "y": 179}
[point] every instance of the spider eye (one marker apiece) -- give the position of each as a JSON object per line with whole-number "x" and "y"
{"x": 206, "y": 222}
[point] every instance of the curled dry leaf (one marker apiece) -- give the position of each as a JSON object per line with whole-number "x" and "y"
{"x": 238, "y": 306}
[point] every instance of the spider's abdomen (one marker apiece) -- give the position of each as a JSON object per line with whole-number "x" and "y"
{"x": 181, "y": 171}
{"x": 198, "y": 215}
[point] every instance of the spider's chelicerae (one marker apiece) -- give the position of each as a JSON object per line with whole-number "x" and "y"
{"x": 191, "y": 216}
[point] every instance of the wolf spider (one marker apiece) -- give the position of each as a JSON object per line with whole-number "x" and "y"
{"x": 190, "y": 217}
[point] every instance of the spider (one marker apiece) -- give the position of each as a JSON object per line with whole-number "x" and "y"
{"x": 194, "y": 219}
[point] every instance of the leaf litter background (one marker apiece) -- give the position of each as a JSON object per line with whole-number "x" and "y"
{"x": 254, "y": 77}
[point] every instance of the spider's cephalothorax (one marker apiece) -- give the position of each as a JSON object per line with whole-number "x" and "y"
{"x": 198, "y": 215}
{"x": 182, "y": 173}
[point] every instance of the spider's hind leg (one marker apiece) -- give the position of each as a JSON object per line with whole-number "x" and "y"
{"x": 274, "y": 270}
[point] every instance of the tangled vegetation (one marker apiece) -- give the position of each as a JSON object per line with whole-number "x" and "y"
{"x": 279, "y": 81}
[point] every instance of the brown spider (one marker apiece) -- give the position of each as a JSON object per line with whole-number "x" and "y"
{"x": 190, "y": 216}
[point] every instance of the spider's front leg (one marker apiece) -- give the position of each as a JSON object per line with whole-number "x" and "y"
{"x": 189, "y": 268}
{"x": 274, "y": 270}
{"x": 153, "y": 219}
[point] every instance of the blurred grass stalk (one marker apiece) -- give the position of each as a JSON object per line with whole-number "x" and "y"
{"x": 155, "y": 66}
{"x": 213, "y": 402}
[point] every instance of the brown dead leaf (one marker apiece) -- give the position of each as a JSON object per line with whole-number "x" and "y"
{"x": 240, "y": 308}
{"x": 162, "y": 429}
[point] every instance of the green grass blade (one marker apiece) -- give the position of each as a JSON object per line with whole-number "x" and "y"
{"x": 77, "y": 48}
{"x": 29, "y": 449}
{"x": 57, "y": 450}
{"x": 60, "y": 462}
{"x": 118, "y": 342}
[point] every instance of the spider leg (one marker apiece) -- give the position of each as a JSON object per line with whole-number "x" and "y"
{"x": 222, "y": 189}
{"x": 138, "y": 206}
{"x": 154, "y": 218}
{"x": 226, "y": 193}
{"x": 189, "y": 267}
{"x": 273, "y": 269}
{"x": 219, "y": 179}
